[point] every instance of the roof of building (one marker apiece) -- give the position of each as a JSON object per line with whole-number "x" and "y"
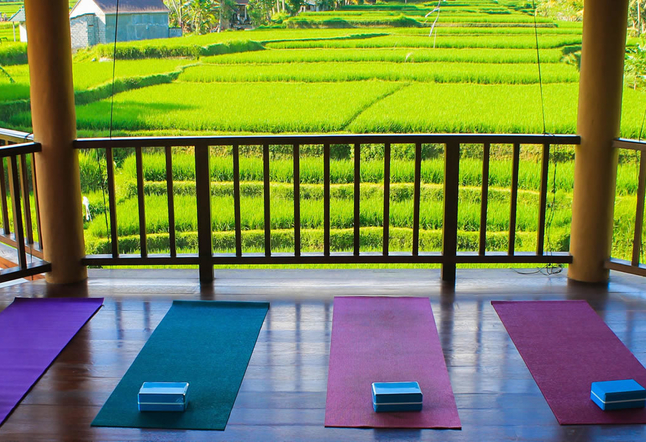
{"x": 18, "y": 16}
{"x": 130, "y": 6}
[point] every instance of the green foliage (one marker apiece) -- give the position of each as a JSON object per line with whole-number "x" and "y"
{"x": 370, "y": 239}
{"x": 566, "y": 10}
{"x": 395, "y": 55}
{"x": 92, "y": 175}
{"x": 260, "y": 11}
{"x": 438, "y": 72}
{"x": 635, "y": 67}
{"x": 348, "y": 22}
{"x": 136, "y": 51}
{"x": 13, "y": 53}
{"x": 281, "y": 107}
{"x": 449, "y": 41}
{"x": 202, "y": 15}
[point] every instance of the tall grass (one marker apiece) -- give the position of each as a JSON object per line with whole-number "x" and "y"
{"x": 137, "y": 51}
{"x": 342, "y": 171}
{"x": 342, "y": 214}
{"x": 257, "y": 107}
{"x": 451, "y": 41}
{"x": 398, "y": 55}
{"x": 88, "y": 75}
{"x": 462, "y": 108}
{"x": 13, "y": 53}
{"x": 481, "y": 73}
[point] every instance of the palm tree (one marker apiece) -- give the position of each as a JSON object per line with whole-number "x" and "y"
{"x": 202, "y": 14}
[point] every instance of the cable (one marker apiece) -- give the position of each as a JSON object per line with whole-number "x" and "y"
{"x": 114, "y": 65}
{"x": 550, "y": 269}
{"x": 538, "y": 62}
{"x": 114, "y": 69}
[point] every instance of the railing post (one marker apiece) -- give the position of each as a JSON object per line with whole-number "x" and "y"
{"x": 203, "y": 195}
{"x": 14, "y": 186}
{"x": 639, "y": 216}
{"x": 450, "y": 225}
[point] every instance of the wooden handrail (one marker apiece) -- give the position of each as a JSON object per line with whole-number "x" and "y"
{"x": 15, "y": 146}
{"x": 258, "y": 140}
{"x": 449, "y": 257}
{"x": 634, "y": 266}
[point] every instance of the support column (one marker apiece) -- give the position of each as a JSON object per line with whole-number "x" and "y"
{"x": 595, "y": 171}
{"x": 54, "y": 126}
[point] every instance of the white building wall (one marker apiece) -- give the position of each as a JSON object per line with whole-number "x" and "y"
{"x": 139, "y": 26}
{"x": 23, "y": 32}
{"x": 83, "y": 30}
{"x": 85, "y": 7}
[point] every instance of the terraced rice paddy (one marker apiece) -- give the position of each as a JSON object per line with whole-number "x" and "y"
{"x": 361, "y": 69}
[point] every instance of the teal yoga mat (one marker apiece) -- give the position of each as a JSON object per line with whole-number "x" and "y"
{"x": 205, "y": 343}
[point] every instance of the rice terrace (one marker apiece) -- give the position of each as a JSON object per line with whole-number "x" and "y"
{"x": 453, "y": 66}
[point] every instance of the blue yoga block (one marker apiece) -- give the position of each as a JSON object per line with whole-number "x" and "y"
{"x": 396, "y": 396}
{"x": 396, "y": 407}
{"x": 162, "y": 396}
{"x": 617, "y": 395}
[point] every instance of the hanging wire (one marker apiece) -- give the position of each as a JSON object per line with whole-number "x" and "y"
{"x": 538, "y": 62}
{"x": 550, "y": 269}
{"x": 114, "y": 69}
{"x": 114, "y": 65}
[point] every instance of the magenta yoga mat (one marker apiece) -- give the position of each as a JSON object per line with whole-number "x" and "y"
{"x": 567, "y": 346}
{"x": 385, "y": 339}
{"x": 33, "y": 331}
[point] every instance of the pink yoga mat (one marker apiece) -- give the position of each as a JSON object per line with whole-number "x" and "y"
{"x": 33, "y": 331}
{"x": 566, "y": 347}
{"x": 383, "y": 339}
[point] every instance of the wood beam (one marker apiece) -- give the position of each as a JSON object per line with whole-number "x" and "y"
{"x": 599, "y": 115}
{"x": 54, "y": 126}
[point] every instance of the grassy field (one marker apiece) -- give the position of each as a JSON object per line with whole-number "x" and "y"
{"x": 360, "y": 69}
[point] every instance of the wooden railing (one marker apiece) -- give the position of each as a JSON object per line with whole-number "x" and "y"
{"x": 448, "y": 257}
{"x": 634, "y": 266}
{"x": 15, "y": 148}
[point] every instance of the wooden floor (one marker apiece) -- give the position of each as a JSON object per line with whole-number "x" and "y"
{"x": 282, "y": 397}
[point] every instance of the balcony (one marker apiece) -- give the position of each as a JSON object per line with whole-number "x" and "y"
{"x": 283, "y": 394}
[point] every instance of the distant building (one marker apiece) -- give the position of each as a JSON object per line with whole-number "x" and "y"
{"x": 19, "y": 17}
{"x": 94, "y": 21}
{"x": 240, "y": 18}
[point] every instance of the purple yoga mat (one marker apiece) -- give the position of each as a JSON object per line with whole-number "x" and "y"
{"x": 566, "y": 347}
{"x": 383, "y": 339}
{"x": 33, "y": 331}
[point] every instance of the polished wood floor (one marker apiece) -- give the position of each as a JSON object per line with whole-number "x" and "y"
{"x": 282, "y": 397}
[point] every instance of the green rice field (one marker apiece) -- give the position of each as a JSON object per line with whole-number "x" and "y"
{"x": 487, "y": 67}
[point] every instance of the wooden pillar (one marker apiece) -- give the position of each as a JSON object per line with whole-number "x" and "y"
{"x": 54, "y": 126}
{"x": 595, "y": 171}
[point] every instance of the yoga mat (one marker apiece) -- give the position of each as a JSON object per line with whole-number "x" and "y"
{"x": 205, "y": 343}
{"x": 566, "y": 347}
{"x": 33, "y": 331}
{"x": 385, "y": 339}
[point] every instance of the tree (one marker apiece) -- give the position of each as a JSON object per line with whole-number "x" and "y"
{"x": 636, "y": 19}
{"x": 294, "y": 6}
{"x": 226, "y": 8}
{"x": 203, "y": 15}
{"x": 566, "y": 10}
{"x": 176, "y": 14}
{"x": 260, "y": 11}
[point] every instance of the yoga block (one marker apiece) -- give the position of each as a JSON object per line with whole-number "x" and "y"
{"x": 162, "y": 396}
{"x": 617, "y": 395}
{"x": 396, "y": 396}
